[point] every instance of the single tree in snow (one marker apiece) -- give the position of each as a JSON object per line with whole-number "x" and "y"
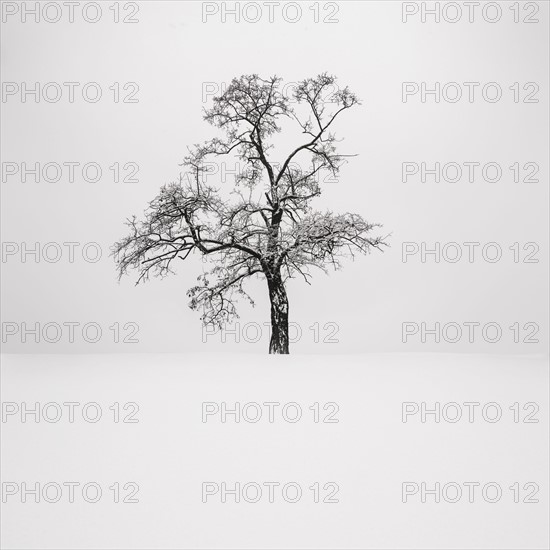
{"x": 266, "y": 226}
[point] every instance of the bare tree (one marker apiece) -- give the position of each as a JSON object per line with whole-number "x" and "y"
{"x": 268, "y": 228}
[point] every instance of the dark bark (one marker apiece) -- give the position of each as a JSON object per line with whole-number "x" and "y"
{"x": 279, "y": 315}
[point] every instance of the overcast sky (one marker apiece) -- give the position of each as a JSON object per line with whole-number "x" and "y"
{"x": 174, "y": 56}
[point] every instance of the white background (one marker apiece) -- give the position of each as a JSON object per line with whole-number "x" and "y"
{"x": 172, "y": 54}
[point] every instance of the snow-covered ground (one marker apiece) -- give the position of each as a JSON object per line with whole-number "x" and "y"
{"x": 173, "y": 450}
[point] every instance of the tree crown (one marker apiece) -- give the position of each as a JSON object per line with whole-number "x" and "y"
{"x": 268, "y": 227}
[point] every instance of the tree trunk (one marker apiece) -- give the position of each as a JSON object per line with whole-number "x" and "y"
{"x": 279, "y": 315}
